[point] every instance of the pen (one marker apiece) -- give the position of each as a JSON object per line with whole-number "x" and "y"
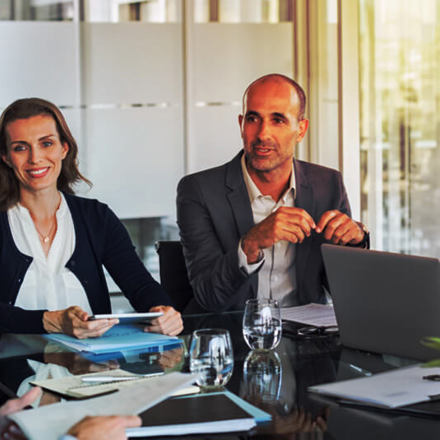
{"x": 433, "y": 377}
{"x": 103, "y": 379}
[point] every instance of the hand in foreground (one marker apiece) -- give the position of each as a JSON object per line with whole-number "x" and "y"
{"x": 104, "y": 427}
{"x": 8, "y": 429}
{"x": 73, "y": 321}
{"x": 339, "y": 228}
{"x": 286, "y": 223}
{"x": 14, "y": 405}
{"x": 170, "y": 323}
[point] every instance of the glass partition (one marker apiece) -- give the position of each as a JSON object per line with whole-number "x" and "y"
{"x": 151, "y": 88}
{"x": 400, "y": 124}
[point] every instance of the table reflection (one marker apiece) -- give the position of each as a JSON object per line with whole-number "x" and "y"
{"x": 262, "y": 376}
{"x": 274, "y": 387}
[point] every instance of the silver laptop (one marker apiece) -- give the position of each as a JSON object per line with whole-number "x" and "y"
{"x": 384, "y": 302}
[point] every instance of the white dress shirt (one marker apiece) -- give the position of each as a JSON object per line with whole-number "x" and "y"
{"x": 277, "y": 276}
{"x": 47, "y": 284}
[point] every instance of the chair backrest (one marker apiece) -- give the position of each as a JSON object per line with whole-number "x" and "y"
{"x": 173, "y": 274}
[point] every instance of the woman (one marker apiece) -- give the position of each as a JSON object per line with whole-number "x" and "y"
{"x": 53, "y": 244}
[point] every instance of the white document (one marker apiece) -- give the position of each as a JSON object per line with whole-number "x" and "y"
{"x": 193, "y": 428}
{"x": 51, "y": 421}
{"x": 74, "y": 386}
{"x": 391, "y": 389}
{"x": 317, "y": 315}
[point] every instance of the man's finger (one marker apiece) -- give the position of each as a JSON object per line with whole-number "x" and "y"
{"x": 325, "y": 218}
{"x": 341, "y": 228}
{"x": 298, "y": 213}
{"x": 294, "y": 232}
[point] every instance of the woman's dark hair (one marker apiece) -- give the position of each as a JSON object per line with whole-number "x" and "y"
{"x": 27, "y": 108}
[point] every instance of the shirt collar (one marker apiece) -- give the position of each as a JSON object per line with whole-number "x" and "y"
{"x": 253, "y": 190}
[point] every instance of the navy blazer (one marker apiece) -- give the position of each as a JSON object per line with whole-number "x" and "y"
{"x": 214, "y": 212}
{"x": 100, "y": 239}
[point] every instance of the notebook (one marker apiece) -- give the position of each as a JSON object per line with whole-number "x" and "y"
{"x": 384, "y": 302}
{"x": 199, "y": 414}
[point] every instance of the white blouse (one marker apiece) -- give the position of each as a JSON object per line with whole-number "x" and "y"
{"x": 47, "y": 284}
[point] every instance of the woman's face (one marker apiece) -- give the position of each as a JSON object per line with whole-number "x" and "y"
{"x": 35, "y": 152}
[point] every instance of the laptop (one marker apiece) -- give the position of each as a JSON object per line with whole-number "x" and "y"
{"x": 384, "y": 302}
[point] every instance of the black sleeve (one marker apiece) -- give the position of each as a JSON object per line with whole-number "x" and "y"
{"x": 214, "y": 273}
{"x": 17, "y": 320}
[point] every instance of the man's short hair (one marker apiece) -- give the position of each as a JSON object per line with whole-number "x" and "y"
{"x": 299, "y": 90}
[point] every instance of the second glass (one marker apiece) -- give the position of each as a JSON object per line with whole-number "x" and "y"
{"x": 211, "y": 355}
{"x": 262, "y": 324}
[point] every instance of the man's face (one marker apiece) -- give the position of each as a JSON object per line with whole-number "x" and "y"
{"x": 269, "y": 126}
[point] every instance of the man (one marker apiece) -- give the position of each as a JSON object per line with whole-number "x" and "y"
{"x": 89, "y": 428}
{"x": 254, "y": 226}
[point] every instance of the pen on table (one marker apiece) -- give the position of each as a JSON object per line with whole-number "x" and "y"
{"x": 103, "y": 379}
{"x": 433, "y": 377}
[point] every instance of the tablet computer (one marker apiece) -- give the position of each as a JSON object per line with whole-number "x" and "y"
{"x": 127, "y": 317}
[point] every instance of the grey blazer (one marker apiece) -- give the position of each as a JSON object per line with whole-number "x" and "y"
{"x": 214, "y": 212}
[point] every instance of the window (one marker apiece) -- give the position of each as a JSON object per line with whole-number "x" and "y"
{"x": 400, "y": 124}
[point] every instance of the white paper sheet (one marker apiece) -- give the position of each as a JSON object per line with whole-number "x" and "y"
{"x": 317, "y": 315}
{"x": 193, "y": 428}
{"x": 392, "y": 389}
{"x": 51, "y": 421}
{"x": 73, "y": 386}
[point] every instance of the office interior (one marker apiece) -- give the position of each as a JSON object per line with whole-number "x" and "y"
{"x": 152, "y": 90}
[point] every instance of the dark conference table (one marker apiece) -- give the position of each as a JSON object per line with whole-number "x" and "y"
{"x": 275, "y": 381}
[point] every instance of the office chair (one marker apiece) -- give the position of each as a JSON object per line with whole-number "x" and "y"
{"x": 173, "y": 274}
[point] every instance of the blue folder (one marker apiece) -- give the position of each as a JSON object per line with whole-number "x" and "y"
{"x": 120, "y": 337}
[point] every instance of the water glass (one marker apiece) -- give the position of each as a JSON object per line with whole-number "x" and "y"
{"x": 262, "y": 324}
{"x": 212, "y": 357}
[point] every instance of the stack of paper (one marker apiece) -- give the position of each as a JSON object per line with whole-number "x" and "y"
{"x": 316, "y": 315}
{"x": 117, "y": 338}
{"x": 400, "y": 387}
{"x": 51, "y": 421}
{"x": 200, "y": 414}
{"x": 76, "y": 387}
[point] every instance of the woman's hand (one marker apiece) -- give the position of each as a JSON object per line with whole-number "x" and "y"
{"x": 104, "y": 427}
{"x": 170, "y": 323}
{"x": 73, "y": 321}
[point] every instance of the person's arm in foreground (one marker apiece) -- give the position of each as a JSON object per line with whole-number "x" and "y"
{"x": 103, "y": 427}
{"x": 89, "y": 428}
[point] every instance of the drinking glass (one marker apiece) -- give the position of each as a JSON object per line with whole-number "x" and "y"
{"x": 262, "y": 324}
{"x": 212, "y": 357}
